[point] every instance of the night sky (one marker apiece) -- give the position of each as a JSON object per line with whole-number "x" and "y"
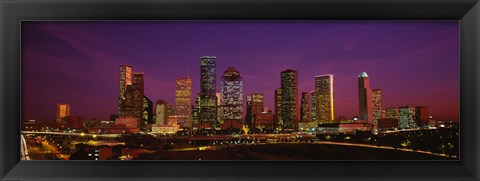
{"x": 414, "y": 62}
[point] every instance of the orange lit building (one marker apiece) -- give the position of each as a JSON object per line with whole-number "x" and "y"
{"x": 264, "y": 120}
{"x": 125, "y": 80}
{"x": 324, "y": 92}
{"x": 63, "y": 110}
{"x": 183, "y": 101}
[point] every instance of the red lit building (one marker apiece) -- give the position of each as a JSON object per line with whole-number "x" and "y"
{"x": 422, "y": 116}
{"x": 74, "y": 122}
{"x": 388, "y": 123}
{"x": 129, "y": 122}
{"x": 264, "y": 120}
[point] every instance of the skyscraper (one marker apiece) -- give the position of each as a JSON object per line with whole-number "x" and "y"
{"x": 254, "y": 107}
{"x": 249, "y": 115}
{"x": 324, "y": 92}
{"x": 133, "y": 105}
{"x": 377, "y": 104}
{"x": 183, "y": 101}
{"x": 125, "y": 80}
{"x": 278, "y": 106}
{"x": 147, "y": 110}
{"x": 208, "y": 107}
{"x": 161, "y": 112}
{"x": 63, "y": 110}
{"x": 257, "y": 103}
{"x": 314, "y": 104}
{"x": 219, "y": 107}
{"x": 365, "y": 98}
{"x": 289, "y": 86}
{"x": 231, "y": 96}
{"x": 305, "y": 107}
{"x": 195, "y": 110}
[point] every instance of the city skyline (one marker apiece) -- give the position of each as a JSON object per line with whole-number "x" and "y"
{"x": 346, "y": 100}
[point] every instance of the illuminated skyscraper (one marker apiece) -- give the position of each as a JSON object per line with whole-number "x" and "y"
{"x": 219, "y": 107}
{"x": 231, "y": 96}
{"x": 208, "y": 107}
{"x": 289, "y": 86}
{"x": 133, "y": 105}
{"x": 161, "y": 112}
{"x": 183, "y": 101}
{"x": 324, "y": 93}
{"x": 278, "y": 106}
{"x": 147, "y": 110}
{"x": 407, "y": 117}
{"x": 125, "y": 80}
{"x": 377, "y": 104}
{"x": 63, "y": 110}
{"x": 313, "y": 103}
{"x": 305, "y": 107}
{"x": 365, "y": 98}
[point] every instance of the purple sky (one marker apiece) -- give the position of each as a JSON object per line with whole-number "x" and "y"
{"x": 414, "y": 62}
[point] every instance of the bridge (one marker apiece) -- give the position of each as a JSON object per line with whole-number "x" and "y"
{"x": 72, "y": 134}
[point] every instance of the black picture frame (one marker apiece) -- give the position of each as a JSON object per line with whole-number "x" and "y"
{"x": 12, "y": 12}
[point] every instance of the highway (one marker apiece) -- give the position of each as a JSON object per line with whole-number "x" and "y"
{"x": 24, "y": 148}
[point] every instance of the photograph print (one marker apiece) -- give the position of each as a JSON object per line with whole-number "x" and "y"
{"x": 240, "y": 90}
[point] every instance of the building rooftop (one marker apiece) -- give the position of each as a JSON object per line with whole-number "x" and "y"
{"x": 325, "y": 75}
{"x": 363, "y": 74}
{"x": 208, "y": 57}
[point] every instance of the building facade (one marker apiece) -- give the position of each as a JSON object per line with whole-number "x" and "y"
{"x": 133, "y": 104}
{"x": 391, "y": 113}
{"x": 63, "y": 110}
{"x": 407, "y": 117}
{"x": 365, "y": 98}
{"x": 422, "y": 116}
{"x": 125, "y": 76}
{"x": 289, "y": 86}
{"x": 161, "y": 112}
{"x": 377, "y": 104}
{"x": 305, "y": 107}
{"x": 208, "y": 107}
{"x": 313, "y": 103}
{"x": 278, "y": 107}
{"x": 231, "y": 95}
{"x": 324, "y": 93}
{"x": 183, "y": 101}
{"x": 148, "y": 111}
